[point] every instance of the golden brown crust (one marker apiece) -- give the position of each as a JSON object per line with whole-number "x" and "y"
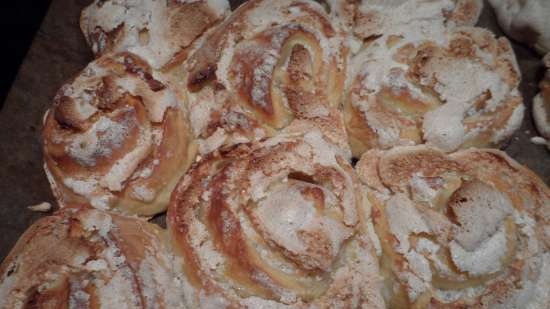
{"x": 469, "y": 229}
{"x": 162, "y": 32}
{"x": 110, "y": 137}
{"x": 452, "y": 88}
{"x": 367, "y": 19}
{"x": 269, "y": 63}
{"x": 82, "y": 258}
{"x": 275, "y": 224}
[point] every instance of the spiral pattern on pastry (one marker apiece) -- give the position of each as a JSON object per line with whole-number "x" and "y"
{"x": 85, "y": 258}
{"x": 116, "y": 137}
{"x": 427, "y": 83}
{"x": 270, "y": 62}
{"x": 161, "y": 32}
{"x": 469, "y": 229}
{"x": 275, "y": 225}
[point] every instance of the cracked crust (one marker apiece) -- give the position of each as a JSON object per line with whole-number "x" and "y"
{"x": 109, "y": 138}
{"x": 89, "y": 259}
{"x": 459, "y": 230}
{"x": 161, "y": 32}
{"x": 269, "y": 63}
{"x": 452, "y": 88}
{"x": 279, "y": 227}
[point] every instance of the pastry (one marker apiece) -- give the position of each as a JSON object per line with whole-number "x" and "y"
{"x": 424, "y": 82}
{"x": 525, "y": 21}
{"x": 270, "y": 62}
{"x": 117, "y": 138}
{"x": 82, "y": 258}
{"x": 161, "y": 32}
{"x": 366, "y": 19}
{"x": 275, "y": 224}
{"x": 469, "y": 229}
{"x": 541, "y": 104}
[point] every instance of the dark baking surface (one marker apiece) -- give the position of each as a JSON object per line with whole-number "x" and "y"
{"x": 59, "y": 52}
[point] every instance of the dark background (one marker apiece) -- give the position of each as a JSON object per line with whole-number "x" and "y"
{"x": 19, "y": 21}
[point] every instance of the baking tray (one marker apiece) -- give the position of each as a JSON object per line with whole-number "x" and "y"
{"x": 59, "y": 52}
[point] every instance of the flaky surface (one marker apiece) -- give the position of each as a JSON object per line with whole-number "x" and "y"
{"x": 364, "y": 19}
{"x": 464, "y": 230}
{"x": 525, "y": 21}
{"x": 161, "y": 32}
{"x": 275, "y": 225}
{"x": 269, "y": 63}
{"x": 425, "y": 82}
{"x": 116, "y": 137}
{"x": 89, "y": 259}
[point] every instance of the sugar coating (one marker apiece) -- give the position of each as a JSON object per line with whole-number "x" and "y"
{"x": 92, "y": 266}
{"x": 404, "y": 219}
{"x": 513, "y": 124}
{"x": 420, "y": 188}
{"x": 96, "y": 221}
{"x": 125, "y": 167}
{"x": 457, "y": 82}
{"x": 287, "y": 226}
{"x": 286, "y": 214}
{"x": 104, "y": 137}
{"x": 479, "y": 236}
{"x": 134, "y": 17}
{"x": 480, "y": 215}
{"x": 109, "y": 119}
{"x": 263, "y": 32}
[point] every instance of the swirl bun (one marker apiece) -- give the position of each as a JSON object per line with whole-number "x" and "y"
{"x": 464, "y": 230}
{"x": 116, "y": 137}
{"x": 267, "y": 64}
{"x": 161, "y": 32}
{"x": 447, "y": 87}
{"x": 275, "y": 225}
{"x": 89, "y": 259}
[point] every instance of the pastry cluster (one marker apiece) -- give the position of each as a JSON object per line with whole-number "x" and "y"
{"x": 328, "y": 154}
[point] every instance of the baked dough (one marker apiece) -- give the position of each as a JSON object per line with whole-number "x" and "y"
{"x": 366, "y": 19}
{"x": 161, "y": 32}
{"x": 463, "y": 230}
{"x": 269, "y": 63}
{"x": 82, "y": 258}
{"x": 275, "y": 225}
{"x": 425, "y": 82}
{"x": 117, "y": 138}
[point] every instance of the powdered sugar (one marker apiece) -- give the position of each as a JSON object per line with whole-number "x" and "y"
{"x": 458, "y": 82}
{"x": 421, "y": 189}
{"x": 404, "y": 220}
{"x": 104, "y": 136}
{"x": 485, "y": 259}
{"x": 95, "y": 221}
{"x": 286, "y": 215}
{"x": 150, "y": 29}
{"x": 123, "y": 168}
